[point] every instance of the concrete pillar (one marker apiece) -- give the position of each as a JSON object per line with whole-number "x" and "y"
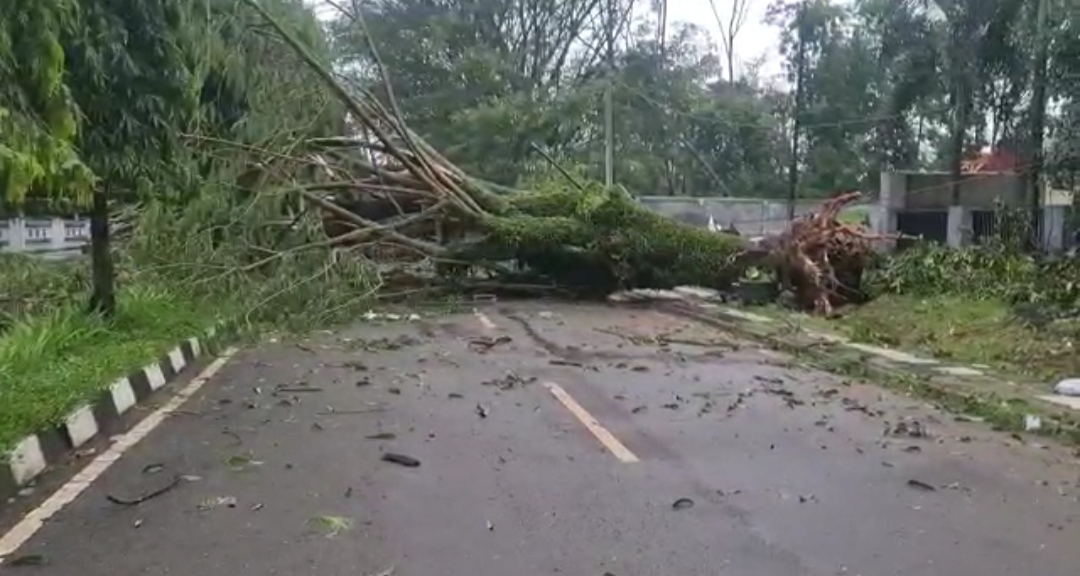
{"x": 892, "y": 199}
{"x": 1053, "y": 228}
{"x": 57, "y": 233}
{"x": 16, "y": 234}
{"x": 958, "y": 227}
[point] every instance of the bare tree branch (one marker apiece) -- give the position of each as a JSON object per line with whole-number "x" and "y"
{"x": 729, "y": 30}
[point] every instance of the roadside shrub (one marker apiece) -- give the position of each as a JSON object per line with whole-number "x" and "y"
{"x": 980, "y": 272}
{"x": 928, "y": 269}
{"x": 31, "y": 285}
{"x": 1001, "y": 267}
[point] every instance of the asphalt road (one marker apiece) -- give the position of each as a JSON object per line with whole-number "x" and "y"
{"x": 558, "y": 439}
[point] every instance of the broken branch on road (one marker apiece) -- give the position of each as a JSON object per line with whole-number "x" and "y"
{"x": 401, "y": 460}
{"x": 176, "y": 480}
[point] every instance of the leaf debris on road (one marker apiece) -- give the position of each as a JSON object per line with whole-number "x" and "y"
{"x": 28, "y": 560}
{"x": 217, "y": 502}
{"x": 682, "y": 504}
{"x": 908, "y": 427}
{"x": 508, "y": 381}
{"x": 483, "y": 345}
{"x": 332, "y": 525}
{"x": 920, "y": 485}
{"x": 238, "y": 462}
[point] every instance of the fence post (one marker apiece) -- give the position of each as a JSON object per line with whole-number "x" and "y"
{"x": 1053, "y": 228}
{"x": 57, "y": 233}
{"x": 17, "y": 234}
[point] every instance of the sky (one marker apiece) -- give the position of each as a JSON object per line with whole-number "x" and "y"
{"x": 755, "y": 38}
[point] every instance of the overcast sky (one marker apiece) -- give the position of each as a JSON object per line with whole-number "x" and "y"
{"x": 754, "y": 40}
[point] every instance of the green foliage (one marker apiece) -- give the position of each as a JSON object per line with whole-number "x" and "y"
{"x": 989, "y": 271}
{"x": 484, "y": 81}
{"x": 32, "y": 286}
{"x": 138, "y": 89}
{"x": 598, "y": 240}
{"x": 929, "y": 269}
{"x": 238, "y": 254}
{"x": 254, "y": 88}
{"x": 38, "y": 126}
{"x": 60, "y": 359}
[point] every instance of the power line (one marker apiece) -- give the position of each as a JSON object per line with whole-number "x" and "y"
{"x": 723, "y": 121}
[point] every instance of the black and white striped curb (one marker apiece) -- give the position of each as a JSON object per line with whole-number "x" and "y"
{"x": 36, "y": 452}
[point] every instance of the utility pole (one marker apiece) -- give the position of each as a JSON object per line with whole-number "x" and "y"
{"x": 661, "y": 26}
{"x": 796, "y": 125}
{"x": 1038, "y": 116}
{"x": 609, "y": 104}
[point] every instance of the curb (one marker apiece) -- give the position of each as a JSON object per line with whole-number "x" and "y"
{"x": 706, "y": 304}
{"x": 899, "y": 357}
{"x": 34, "y": 454}
{"x": 1056, "y": 416}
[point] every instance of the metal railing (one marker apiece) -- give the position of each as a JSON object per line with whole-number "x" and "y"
{"x": 45, "y": 237}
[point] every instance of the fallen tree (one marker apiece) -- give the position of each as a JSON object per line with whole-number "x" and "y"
{"x": 429, "y": 226}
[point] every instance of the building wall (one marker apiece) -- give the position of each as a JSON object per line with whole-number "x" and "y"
{"x": 933, "y": 190}
{"x": 920, "y": 203}
{"x": 750, "y": 216}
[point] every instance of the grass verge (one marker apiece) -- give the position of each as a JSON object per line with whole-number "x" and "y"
{"x": 1001, "y": 404}
{"x": 970, "y": 331}
{"x": 51, "y": 363}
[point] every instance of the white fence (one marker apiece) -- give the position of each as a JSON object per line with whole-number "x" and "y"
{"x": 750, "y": 216}
{"x": 46, "y": 237}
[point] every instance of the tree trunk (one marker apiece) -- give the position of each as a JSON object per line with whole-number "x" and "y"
{"x": 1038, "y": 122}
{"x": 956, "y": 145}
{"x": 800, "y": 72}
{"x": 103, "y": 299}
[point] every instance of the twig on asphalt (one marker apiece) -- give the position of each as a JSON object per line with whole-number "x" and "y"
{"x": 294, "y": 389}
{"x": 234, "y": 436}
{"x": 347, "y": 412}
{"x": 148, "y": 496}
{"x": 401, "y": 459}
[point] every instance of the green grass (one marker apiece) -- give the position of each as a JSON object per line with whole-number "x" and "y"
{"x": 1001, "y": 403}
{"x": 31, "y": 285}
{"x": 51, "y": 363}
{"x": 969, "y": 330}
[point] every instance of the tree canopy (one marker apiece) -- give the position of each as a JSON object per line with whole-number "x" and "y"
{"x": 492, "y": 81}
{"x": 107, "y": 93}
{"x": 112, "y": 91}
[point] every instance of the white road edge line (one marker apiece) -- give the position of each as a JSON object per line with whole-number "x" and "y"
{"x": 67, "y": 493}
{"x": 602, "y": 434}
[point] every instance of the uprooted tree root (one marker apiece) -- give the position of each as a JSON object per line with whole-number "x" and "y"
{"x": 821, "y": 259}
